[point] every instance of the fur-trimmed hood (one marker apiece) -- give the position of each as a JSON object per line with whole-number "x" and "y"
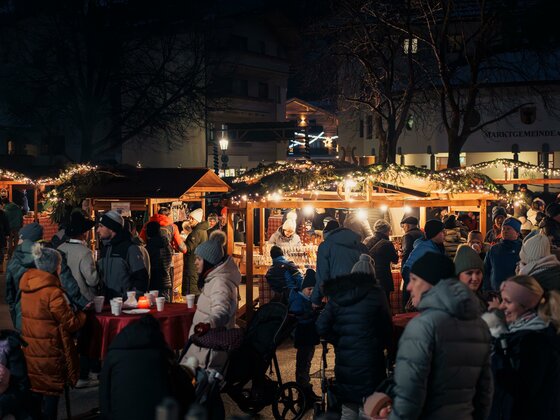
{"x": 349, "y": 289}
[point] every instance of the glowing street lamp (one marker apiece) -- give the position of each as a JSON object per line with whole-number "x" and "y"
{"x": 224, "y": 143}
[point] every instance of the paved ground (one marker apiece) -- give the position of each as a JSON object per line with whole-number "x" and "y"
{"x": 85, "y": 400}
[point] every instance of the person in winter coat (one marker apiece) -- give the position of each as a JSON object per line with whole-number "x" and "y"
{"x": 286, "y": 235}
{"x": 358, "y": 223}
{"x": 15, "y": 399}
{"x": 197, "y": 236}
{"x": 130, "y": 226}
{"x": 15, "y": 220}
{"x": 21, "y": 261}
{"x": 432, "y": 243}
{"x": 168, "y": 227}
{"x": 80, "y": 258}
{"x": 161, "y": 256}
{"x": 411, "y": 234}
{"x": 443, "y": 360}
{"x": 139, "y": 363}
{"x": 535, "y": 260}
{"x": 537, "y": 206}
{"x": 48, "y": 323}
{"x": 527, "y": 367}
{"x": 494, "y": 235}
{"x": 121, "y": 264}
{"x": 305, "y": 336}
{"x": 383, "y": 253}
{"x": 217, "y": 304}
{"x": 501, "y": 260}
{"x": 283, "y": 276}
{"x": 452, "y": 236}
{"x": 357, "y": 321}
{"x": 336, "y": 256}
{"x": 469, "y": 269}
{"x": 476, "y": 241}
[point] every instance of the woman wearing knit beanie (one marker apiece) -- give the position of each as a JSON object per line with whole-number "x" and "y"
{"x": 527, "y": 357}
{"x": 536, "y": 260}
{"x": 218, "y": 279}
{"x": 48, "y": 324}
{"x": 469, "y": 269}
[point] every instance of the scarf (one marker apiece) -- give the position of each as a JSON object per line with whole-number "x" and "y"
{"x": 528, "y": 321}
{"x": 538, "y": 266}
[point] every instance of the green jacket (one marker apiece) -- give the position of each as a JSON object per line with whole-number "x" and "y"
{"x": 443, "y": 359}
{"x": 21, "y": 261}
{"x": 15, "y": 216}
{"x": 196, "y": 237}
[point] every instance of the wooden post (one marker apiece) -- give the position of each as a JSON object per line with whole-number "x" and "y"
{"x": 229, "y": 231}
{"x": 35, "y": 203}
{"x": 150, "y": 208}
{"x": 203, "y": 207}
{"x": 249, "y": 233}
{"x": 483, "y": 209}
{"x": 261, "y": 230}
{"x": 422, "y": 220}
{"x": 10, "y": 195}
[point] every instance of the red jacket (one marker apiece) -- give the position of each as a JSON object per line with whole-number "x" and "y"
{"x": 176, "y": 241}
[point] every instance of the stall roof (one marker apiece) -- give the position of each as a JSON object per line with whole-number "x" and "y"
{"x": 172, "y": 183}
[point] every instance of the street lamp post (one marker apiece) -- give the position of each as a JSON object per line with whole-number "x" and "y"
{"x": 224, "y": 143}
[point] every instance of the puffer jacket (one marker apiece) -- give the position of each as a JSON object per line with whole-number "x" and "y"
{"x": 173, "y": 234}
{"x": 15, "y": 216}
{"x": 161, "y": 256}
{"x": 48, "y": 323}
{"x": 121, "y": 267}
{"x": 283, "y": 274}
{"x": 443, "y": 359}
{"x": 336, "y": 256}
{"x": 500, "y": 263}
{"x": 357, "y": 321}
{"x": 21, "y": 261}
{"x": 190, "y": 276}
{"x": 383, "y": 252}
{"x": 421, "y": 246}
{"x": 408, "y": 240}
{"x": 278, "y": 238}
{"x": 451, "y": 241}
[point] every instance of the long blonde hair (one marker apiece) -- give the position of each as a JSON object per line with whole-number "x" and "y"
{"x": 549, "y": 306}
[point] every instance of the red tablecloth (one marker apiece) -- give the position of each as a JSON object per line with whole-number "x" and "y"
{"x": 100, "y": 329}
{"x": 399, "y": 324}
{"x": 396, "y": 295}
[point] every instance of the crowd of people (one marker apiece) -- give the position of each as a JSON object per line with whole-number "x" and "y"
{"x": 483, "y": 345}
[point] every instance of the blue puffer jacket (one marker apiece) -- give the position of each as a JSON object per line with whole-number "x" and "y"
{"x": 336, "y": 256}
{"x": 500, "y": 263}
{"x": 21, "y": 261}
{"x": 357, "y": 321}
{"x": 443, "y": 361}
{"x": 422, "y": 246}
{"x": 283, "y": 274}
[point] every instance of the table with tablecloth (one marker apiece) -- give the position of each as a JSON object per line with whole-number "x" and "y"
{"x": 100, "y": 329}
{"x": 400, "y": 321}
{"x": 49, "y": 227}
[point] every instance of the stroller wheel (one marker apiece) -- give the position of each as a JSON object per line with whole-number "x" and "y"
{"x": 247, "y": 404}
{"x": 290, "y": 402}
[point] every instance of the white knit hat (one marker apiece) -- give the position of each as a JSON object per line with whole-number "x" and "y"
{"x": 289, "y": 224}
{"x": 534, "y": 248}
{"x": 197, "y": 215}
{"x": 364, "y": 265}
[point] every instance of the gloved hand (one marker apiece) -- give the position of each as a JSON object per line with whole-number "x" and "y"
{"x": 201, "y": 328}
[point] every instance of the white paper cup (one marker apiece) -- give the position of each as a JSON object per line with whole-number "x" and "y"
{"x": 116, "y": 307}
{"x": 98, "y": 302}
{"x": 190, "y": 301}
{"x": 131, "y": 294}
{"x": 160, "y": 303}
{"x": 117, "y": 299}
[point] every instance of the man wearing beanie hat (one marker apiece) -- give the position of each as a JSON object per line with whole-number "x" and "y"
{"x": 286, "y": 234}
{"x": 432, "y": 243}
{"x": 383, "y": 253}
{"x": 168, "y": 229}
{"x": 411, "y": 233}
{"x": 537, "y": 261}
{"x": 283, "y": 276}
{"x": 121, "y": 263}
{"x": 501, "y": 260}
{"x": 434, "y": 376}
{"x": 216, "y": 307}
{"x": 32, "y": 232}
{"x": 305, "y": 336}
{"x": 494, "y": 235}
{"x": 198, "y": 235}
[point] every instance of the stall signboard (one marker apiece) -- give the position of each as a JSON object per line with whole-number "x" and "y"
{"x": 122, "y": 208}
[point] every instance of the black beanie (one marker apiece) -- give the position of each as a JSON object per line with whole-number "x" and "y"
{"x": 276, "y": 252}
{"x": 433, "y": 267}
{"x": 332, "y": 225}
{"x": 309, "y": 279}
{"x": 432, "y": 228}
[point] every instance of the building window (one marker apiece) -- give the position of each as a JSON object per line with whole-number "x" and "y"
{"x": 361, "y": 128}
{"x": 238, "y": 42}
{"x": 263, "y": 90}
{"x": 413, "y": 43}
{"x": 550, "y": 159}
{"x": 369, "y": 127}
{"x": 240, "y": 88}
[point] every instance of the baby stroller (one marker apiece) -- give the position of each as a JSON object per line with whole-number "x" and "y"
{"x": 328, "y": 403}
{"x": 270, "y": 325}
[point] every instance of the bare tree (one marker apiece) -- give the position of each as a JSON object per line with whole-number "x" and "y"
{"x": 111, "y": 72}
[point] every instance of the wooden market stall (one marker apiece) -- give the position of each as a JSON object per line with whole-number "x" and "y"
{"x": 144, "y": 189}
{"x": 346, "y": 189}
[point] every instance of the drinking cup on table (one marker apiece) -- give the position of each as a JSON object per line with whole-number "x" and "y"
{"x": 98, "y": 302}
{"x": 131, "y": 294}
{"x": 155, "y": 293}
{"x": 160, "y": 303}
{"x": 117, "y": 299}
{"x": 116, "y": 307}
{"x": 190, "y": 301}
{"x": 150, "y": 298}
